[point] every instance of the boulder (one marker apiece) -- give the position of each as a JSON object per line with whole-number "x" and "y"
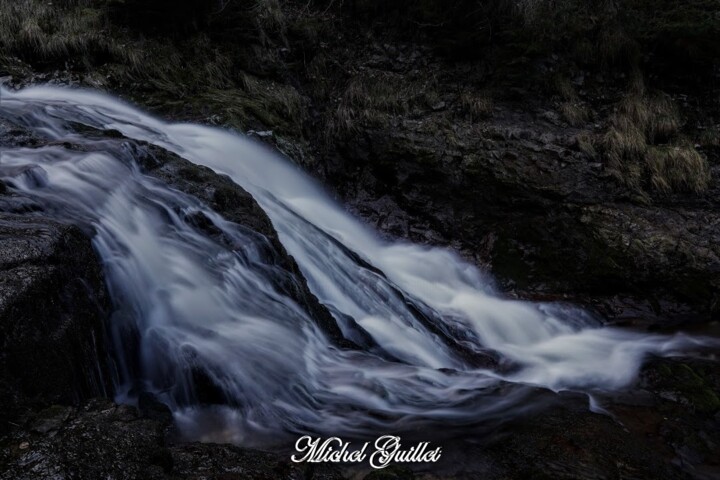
{"x": 53, "y": 305}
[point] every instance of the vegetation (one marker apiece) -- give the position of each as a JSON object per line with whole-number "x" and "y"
{"x": 372, "y": 97}
{"x": 575, "y": 113}
{"x": 643, "y": 147}
{"x": 169, "y": 55}
{"x": 254, "y": 63}
{"x": 34, "y": 31}
{"x": 478, "y": 105}
{"x": 677, "y": 168}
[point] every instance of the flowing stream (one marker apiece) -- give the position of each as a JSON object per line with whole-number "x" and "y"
{"x": 198, "y": 305}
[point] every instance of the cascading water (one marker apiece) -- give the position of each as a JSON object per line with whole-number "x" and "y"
{"x": 198, "y": 304}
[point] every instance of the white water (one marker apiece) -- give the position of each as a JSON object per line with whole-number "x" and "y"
{"x": 200, "y": 305}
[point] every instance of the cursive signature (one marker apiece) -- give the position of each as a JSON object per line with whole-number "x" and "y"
{"x": 386, "y": 450}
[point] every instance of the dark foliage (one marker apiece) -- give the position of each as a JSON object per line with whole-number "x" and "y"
{"x": 458, "y": 28}
{"x": 163, "y": 16}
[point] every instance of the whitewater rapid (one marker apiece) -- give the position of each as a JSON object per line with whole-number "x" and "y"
{"x": 198, "y": 304}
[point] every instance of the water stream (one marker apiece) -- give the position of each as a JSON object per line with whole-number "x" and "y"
{"x": 199, "y": 305}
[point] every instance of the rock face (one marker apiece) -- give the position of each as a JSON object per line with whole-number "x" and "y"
{"x": 53, "y": 306}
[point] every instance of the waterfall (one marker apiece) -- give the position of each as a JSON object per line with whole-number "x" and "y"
{"x": 198, "y": 305}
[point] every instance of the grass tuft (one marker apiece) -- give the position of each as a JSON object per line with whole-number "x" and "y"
{"x": 710, "y": 137}
{"x": 38, "y": 31}
{"x": 677, "y": 168}
{"x": 477, "y": 105}
{"x": 643, "y": 148}
{"x": 586, "y": 143}
{"x": 371, "y": 99}
{"x": 575, "y": 113}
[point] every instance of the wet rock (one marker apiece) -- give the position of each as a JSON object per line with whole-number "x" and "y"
{"x": 571, "y": 444}
{"x": 150, "y": 407}
{"x": 393, "y": 472}
{"x": 105, "y": 440}
{"x": 683, "y": 422}
{"x": 51, "y": 419}
{"x": 53, "y": 305}
{"x": 100, "y": 440}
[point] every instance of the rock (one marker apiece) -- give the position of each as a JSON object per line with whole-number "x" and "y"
{"x": 509, "y": 189}
{"x": 51, "y": 419}
{"x": 53, "y": 305}
{"x": 105, "y": 440}
{"x": 392, "y": 472}
{"x": 99, "y": 440}
{"x": 571, "y": 444}
{"x": 150, "y": 407}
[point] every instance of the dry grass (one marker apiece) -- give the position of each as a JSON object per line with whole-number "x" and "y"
{"x": 594, "y": 32}
{"x": 657, "y": 116}
{"x": 677, "y": 169}
{"x": 197, "y": 75}
{"x": 710, "y": 137}
{"x": 371, "y": 98}
{"x": 39, "y": 31}
{"x": 569, "y": 105}
{"x": 269, "y": 19}
{"x": 586, "y": 143}
{"x": 574, "y": 113}
{"x": 642, "y": 147}
{"x": 625, "y": 150}
{"x": 563, "y": 87}
{"x": 616, "y": 49}
{"x": 477, "y": 105}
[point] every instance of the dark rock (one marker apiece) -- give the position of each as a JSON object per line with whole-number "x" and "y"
{"x": 392, "y": 472}
{"x": 574, "y": 444}
{"x": 104, "y": 440}
{"x": 150, "y": 407}
{"x": 100, "y": 440}
{"x": 53, "y": 305}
